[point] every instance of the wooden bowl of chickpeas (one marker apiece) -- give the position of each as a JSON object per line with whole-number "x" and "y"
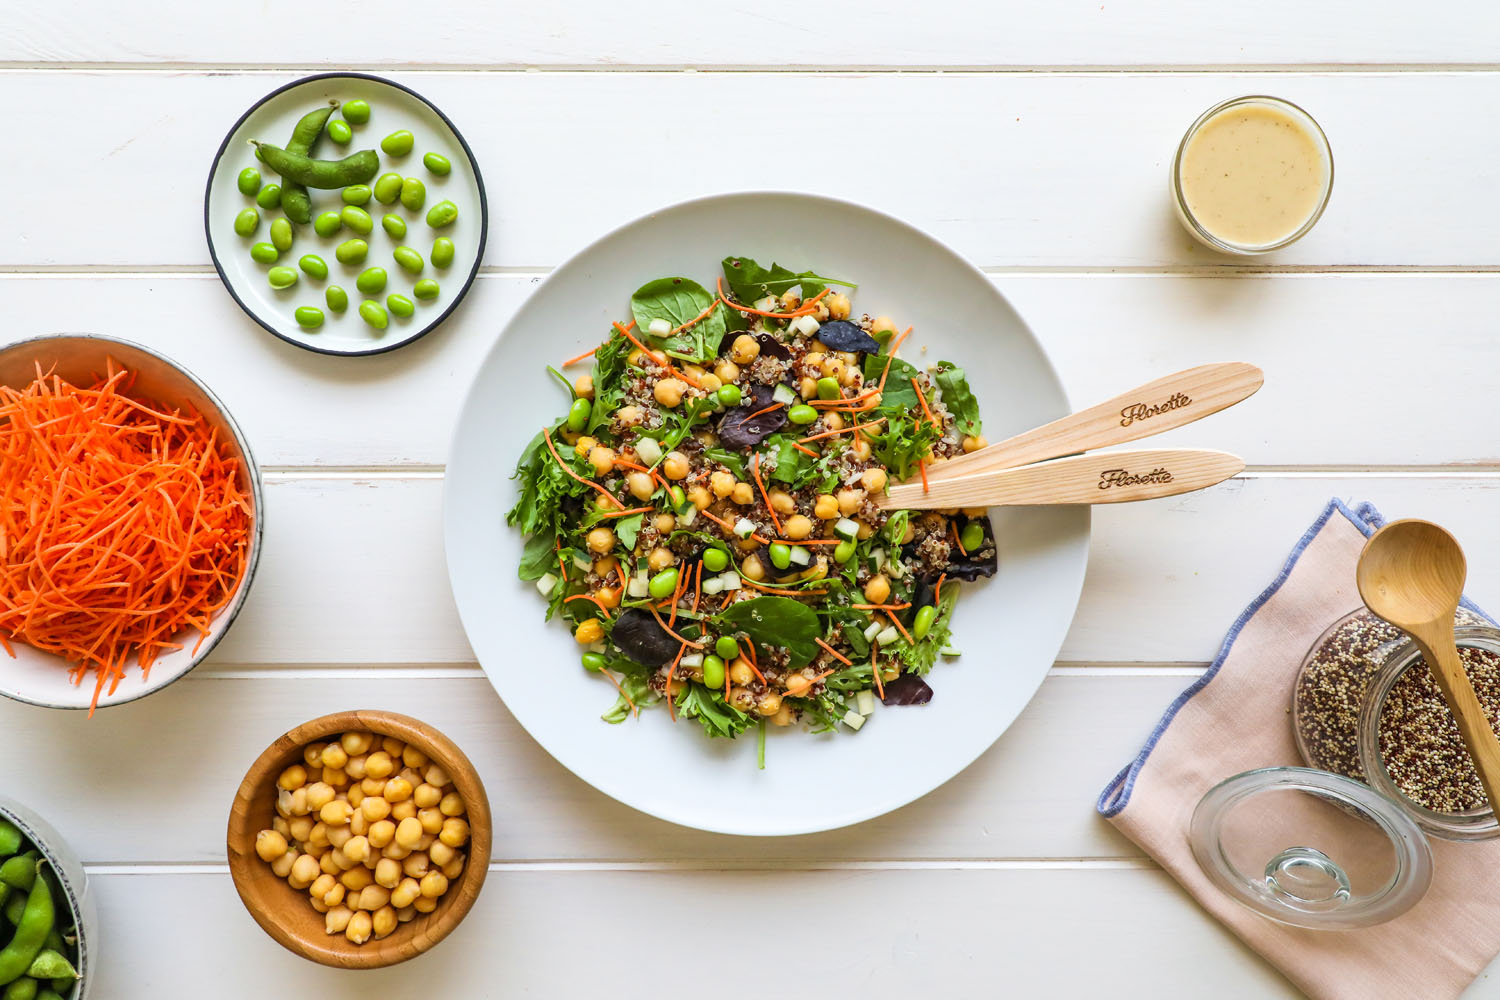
{"x": 360, "y": 839}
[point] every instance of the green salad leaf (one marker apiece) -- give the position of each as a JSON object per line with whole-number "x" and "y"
{"x": 957, "y": 397}
{"x": 609, "y": 384}
{"x": 636, "y": 685}
{"x": 717, "y": 716}
{"x": 748, "y": 281}
{"x": 920, "y": 656}
{"x": 680, "y": 301}
{"x": 778, "y": 621}
{"x": 626, "y": 529}
{"x": 736, "y": 463}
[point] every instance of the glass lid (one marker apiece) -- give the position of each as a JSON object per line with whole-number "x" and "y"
{"x": 1310, "y": 848}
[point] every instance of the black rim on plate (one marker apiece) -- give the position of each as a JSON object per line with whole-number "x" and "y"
{"x": 484, "y": 216}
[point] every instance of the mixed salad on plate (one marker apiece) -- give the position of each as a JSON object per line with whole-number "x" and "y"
{"x": 703, "y": 517}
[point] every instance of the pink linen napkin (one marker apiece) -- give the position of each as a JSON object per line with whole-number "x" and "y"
{"x": 1236, "y": 718}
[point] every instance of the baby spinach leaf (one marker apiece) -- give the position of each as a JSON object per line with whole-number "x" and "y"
{"x": 898, "y": 393}
{"x": 778, "y": 621}
{"x": 957, "y": 397}
{"x": 748, "y": 281}
{"x": 538, "y": 557}
{"x": 680, "y": 301}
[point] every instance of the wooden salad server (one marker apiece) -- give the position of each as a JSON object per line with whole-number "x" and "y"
{"x": 1411, "y": 573}
{"x": 1157, "y": 406}
{"x": 1104, "y": 477}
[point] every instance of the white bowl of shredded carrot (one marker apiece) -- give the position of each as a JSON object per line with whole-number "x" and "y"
{"x": 130, "y": 521}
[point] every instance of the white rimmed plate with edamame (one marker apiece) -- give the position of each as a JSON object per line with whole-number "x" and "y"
{"x": 379, "y": 261}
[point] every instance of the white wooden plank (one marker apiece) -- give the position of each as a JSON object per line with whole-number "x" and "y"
{"x": 820, "y": 33}
{"x": 1012, "y": 169}
{"x": 1336, "y": 350}
{"x": 1030, "y": 796}
{"x": 895, "y": 934}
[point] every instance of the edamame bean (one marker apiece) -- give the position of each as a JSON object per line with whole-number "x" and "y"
{"x": 309, "y": 317}
{"x": 578, "y": 414}
{"x": 729, "y": 395}
{"x": 356, "y": 168}
{"x": 400, "y": 305}
{"x": 327, "y": 223}
{"x": 781, "y": 555}
{"x": 398, "y": 143}
{"x": 247, "y": 222}
{"x": 413, "y": 193}
{"x": 426, "y": 290}
{"x": 371, "y": 280}
{"x": 264, "y": 253}
{"x": 356, "y": 194}
{"x": 340, "y": 132}
{"x": 442, "y": 214}
{"x": 357, "y": 112}
{"x": 351, "y": 251}
{"x": 249, "y": 181}
{"x": 313, "y": 266}
{"x": 388, "y": 188}
{"x": 24, "y": 988}
{"x": 394, "y": 225}
{"x": 408, "y": 258}
{"x": 442, "y": 252}
{"x": 437, "y": 163}
{"x": 594, "y": 662}
{"x": 923, "y": 620}
{"x": 38, "y": 917}
{"x": 802, "y": 414}
{"x": 372, "y": 313}
{"x": 713, "y": 672}
{"x": 972, "y": 536}
{"x": 281, "y": 235}
{"x": 269, "y": 196}
{"x": 19, "y": 872}
{"x": 828, "y": 388}
{"x": 663, "y": 584}
{"x": 357, "y": 219}
{"x": 715, "y": 560}
{"x": 726, "y": 646}
{"x": 281, "y": 277}
{"x": 843, "y": 552}
{"x": 337, "y": 298}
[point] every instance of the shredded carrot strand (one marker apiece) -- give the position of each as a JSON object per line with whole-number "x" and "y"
{"x": 956, "y": 539}
{"x": 937, "y": 592}
{"x": 880, "y": 607}
{"x": 633, "y": 709}
{"x": 755, "y": 471}
{"x": 667, "y": 687}
{"x": 657, "y": 615}
{"x": 834, "y": 653}
{"x": 922, "y": 398}
{"x": 753, "y": 660}
{"x": 698, "y": 318}
{"x": 562, "y": 568}
{"x": 777, "y": 590}
{"x": 730, "y": 528}
{"x": 585, "y": 355}
{"x": 843, "y": 430}
{"x": 806, "y": 309}
{"x": 773, "y": 406}
{"x": 547, "y": 436}
{"x": 805, "y": 451}
{"x": 875, "y": 669}
{"x": 697, "y": 587}
{"x": 677, "y": 596}
{"x": 922, "y": 468}
{"x": 897, "y": 622}
{"x": 591, "y": 598}
{"x": 665, "y": 360}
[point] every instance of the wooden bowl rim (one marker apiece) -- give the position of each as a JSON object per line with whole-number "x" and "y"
{"x": 408, "y": 940}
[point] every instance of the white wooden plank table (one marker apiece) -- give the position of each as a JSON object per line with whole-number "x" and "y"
{"x": 1035, "y": 139}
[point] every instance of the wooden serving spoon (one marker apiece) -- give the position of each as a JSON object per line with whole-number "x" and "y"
{"x": 1104, "y": 477}
{"x": 1159, "y": 405}
{"x": 1411, "y": 573}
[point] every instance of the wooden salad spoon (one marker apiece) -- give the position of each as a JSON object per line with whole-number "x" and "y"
{"x": 1411, "y": 573}
{"x": 1103, "y": 477}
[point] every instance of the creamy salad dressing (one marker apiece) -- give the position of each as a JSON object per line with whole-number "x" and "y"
{"x": 1253, "y": 175}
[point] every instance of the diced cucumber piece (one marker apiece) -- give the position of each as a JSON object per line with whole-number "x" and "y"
{"x": 853, "y": 719}
{"x": 800, "y": 556}
{"x": 864, "y": 701}
{"x": 783, "y": 393}
{"x": 846, "y": 529}
{"x": 546, "y": 583}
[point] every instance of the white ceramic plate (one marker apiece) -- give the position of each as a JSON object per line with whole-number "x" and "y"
{"x": 1010, "y": 627}
{"x": 393, "y": 107}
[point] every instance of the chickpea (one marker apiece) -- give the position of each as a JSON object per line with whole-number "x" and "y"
{"x": 864, "y": 531}
{"x": 768, "y": 703}
{"x": 412, "y": 757}
{"x": 860, "y": 449}
{"x": 909, "y": 533}
{"x": 873, "y": 480}
{"x": 744, "y": 350}
{"x": 782, "y": 502}
{"x": 751, "y": 568}
{"x": 322, "y": 886}
{"x": 739, "y": 671}
{"x": 722, "y": 483}
{"x": 336, "y": 813}
{"x": 337, "y": 919}
{"x": 372, "y": 786}
{"x": 746, "y": 544}
{"x": 409, "y": 832}
{"x": 832, "y": 421}
{"x": 588, "y": 632}
{"x": 660, "y": 558}
{"x": 416, "y": 865}
{"x": 403, "y": 810}
{"x": 675, "y": 465}
{"x": 727, "y": 371}
{"x": 381, "y": 833}
{"x": 358, "y": 825}
{"x": 850, "y": 500}
{"x": 424, "y": 904}
{"x": 877, "y": 589}
{"x": 339, "y": 835}
{"x": 833, "y": 367}
{"x": 355, "y": 769}
{"x": 797, "y": 685}
{"x": 434, "y": 884}
{"x": 397, "y": 790}
{"x": 357, "y": 743}
{"x": 455, "y": 832}
{"x": 569, "y": 436}
{"x": 357, "y": 849}
{"x": 360, "y": 928}
{"x": 373, "y": 897}
{"x": 700, "y": 497}
{"x": 282, "y": 866}
{"x": 602, "y": 459}
{"x": 668, "y": 391}
{"x": 798, "y": 527}
{"x": 838, "y": 305}
{"x": 427, "y": 795}
{"x": 813, "y": 359}
{"x": 710, "y": 382}
{"x": 826, "y": 508}
{"x": 600, "y": 539}
{"x": 640, "y": 485}
{"x": 355, "y": 879}
{"x": 383, "y": 922}
{"x": 335, "y": 777}
{"x": 452, "y": 804}
{"x": 312, "y": 754}
{"x": 808, "y": 387}
{"x": 319, "y": 794}
{"x": 783, "y": 716}
{"x": 379, "y": 766}
{"x": 406, "y": 893}
{"x": 281, "y": 826}
{"x": 334, "y": 756}
{"x": 742, "y": 699}
{"x": 851, "y": 376}
{"x": 608, "y": 596}
{"x": 304, "y": 871}
{"x": 583, "y": 385}
{"x": 742, "y": 494}
{"x": 270, "y": 845}
{"x": 629, "y": 416}
{"x": 431, "y": 820}
{"x": 974, "y": 442}
{"x": 300, "y": 828}
{"x": 328, "y": 866}
{"x": 292, "y": 778}
{"x": 882, "y": 324}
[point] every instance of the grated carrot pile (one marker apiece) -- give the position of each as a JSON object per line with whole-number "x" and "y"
{"x": 121, "y": 526}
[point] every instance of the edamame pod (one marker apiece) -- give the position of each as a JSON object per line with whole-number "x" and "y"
{"x": 309, "y": 317}
{"x": 394, "y": 225}
{"x": 337, "y": 298}
{"x": 442, "y": 214}
{"x": 269, "y": 196}
{"x": 372, "y": 313}
{"x": 400, "y": 305}
{"x": 313, "y": 266}
{"x": 356, "y": 194}
{"x": 37, "y": 920}
{"x": 442, "y": 252}
{"x": 357, "y": 112}
{"x": 19, "y": 872}
{"x": 356, "y": 168}
{"x": 398, "y": 143}
{"x": 357, "y": 219}
{"x": 413, "y": 193}
{"x": 264, "y": 253}
{"x": 295, "y": 201}
{"x": 426, "y": 289}
{"x": 340, "y": 132}
{"x": 281, "y": 235}
{"x": 437, "y": 163}
{"x": 327, "y": 223}
{"x": 249, "y": 180}
{"x": 50, "y": 964}
{"x": 247, "y": 222}
{"x": 281, "y": 277}
{"x": 408, "y": 258}
{"x": 351, "y": 251}
{"x": 371, "y": 280}
{"x": 388, "y": 188}
{"x": 24, "y": 988}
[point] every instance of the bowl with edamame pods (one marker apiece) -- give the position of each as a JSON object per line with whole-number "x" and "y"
{"x": 61, "y": 926}
{"x": 327, "y": 179}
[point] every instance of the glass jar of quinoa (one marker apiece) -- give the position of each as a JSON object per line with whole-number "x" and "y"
{"x": 1364, "y": 705}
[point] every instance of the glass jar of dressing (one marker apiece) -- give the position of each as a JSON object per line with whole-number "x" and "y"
{"x": 1252, "y": 175}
